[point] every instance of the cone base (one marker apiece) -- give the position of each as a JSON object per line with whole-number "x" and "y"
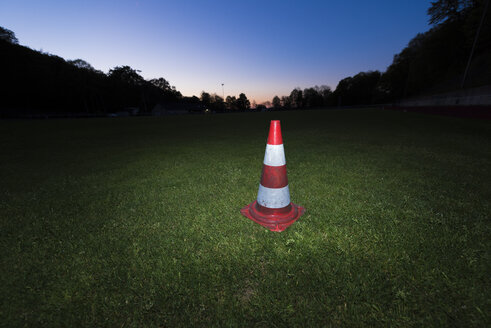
{"x": 273, "y": 219}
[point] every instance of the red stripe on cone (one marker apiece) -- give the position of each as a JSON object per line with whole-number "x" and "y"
{"x": 274, "y": 211}
{"x": 274, "y": 176}
{"x": 274, "y": 137}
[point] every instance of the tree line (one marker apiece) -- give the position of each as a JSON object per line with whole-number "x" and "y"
{"x": 37, "y": 82}
{"x": 42, "y": 83}
{"x": 435, "y": 61}
{"x": 438, "y": 60}
{"x": 230, "y": 104}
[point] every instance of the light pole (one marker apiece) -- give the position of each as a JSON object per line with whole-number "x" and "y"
{"x": 223, "y": 93}
{"x": 474, "y": 44}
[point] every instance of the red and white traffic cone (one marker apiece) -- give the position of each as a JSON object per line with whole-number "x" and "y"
{"x": 273, "y": 208}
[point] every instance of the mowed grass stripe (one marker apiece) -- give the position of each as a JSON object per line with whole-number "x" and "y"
{"x": 129, "y": 222}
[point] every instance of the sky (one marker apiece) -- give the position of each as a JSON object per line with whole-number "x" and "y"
{"x": 261, "y": 48}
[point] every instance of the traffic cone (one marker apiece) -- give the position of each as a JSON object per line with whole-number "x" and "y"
{"x": 273, "y": 208}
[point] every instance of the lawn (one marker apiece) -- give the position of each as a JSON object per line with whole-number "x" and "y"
{"x": 124, "y": 222}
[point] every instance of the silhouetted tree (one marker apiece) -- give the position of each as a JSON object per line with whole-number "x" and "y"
{"x": 161, "y": 83}
{"x": 286, "y": 102}
{"x": 8, "y": 35}
{"x": 205, "y": 98}
{"x": 441, "y": 10}
{"x": 325, "y": 92}
{"x": 276, "y": 102}
{"x": 191, "y": 100}
{"x": 231, "y": 102}
{"x": 126, "y": 74}
{"x": 217, "y": 103}
{"x": 80, "y": 63}
{"x": 176, "y": 93}
{"x": 312, "y": 97}
{"x": 358, "y": 90}
{"x": 296, "y": 98}
{"x": 243, "y": 103}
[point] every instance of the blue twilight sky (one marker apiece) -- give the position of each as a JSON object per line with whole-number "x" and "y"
{"x": 262, "y": 48}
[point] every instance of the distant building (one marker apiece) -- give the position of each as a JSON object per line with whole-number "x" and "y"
{"x": 127, "y": 111}
{"x": 178, "y": 108}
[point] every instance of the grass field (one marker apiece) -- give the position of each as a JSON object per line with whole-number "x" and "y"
{"x": 135, "y": 222}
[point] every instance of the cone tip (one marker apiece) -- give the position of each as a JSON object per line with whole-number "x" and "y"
{"x": 274, "y": 137}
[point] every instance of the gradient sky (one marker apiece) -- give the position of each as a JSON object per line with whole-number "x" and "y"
{"x": 262, "y": 48}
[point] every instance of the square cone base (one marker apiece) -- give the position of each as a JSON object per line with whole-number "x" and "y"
{"x": 273, "y": 219}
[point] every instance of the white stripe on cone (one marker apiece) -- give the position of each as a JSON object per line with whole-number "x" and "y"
{"x": 274, "y": 155}
{"x": 273, "y": 197}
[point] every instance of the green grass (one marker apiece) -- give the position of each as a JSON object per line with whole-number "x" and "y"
{"x": 136, "y": 222}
